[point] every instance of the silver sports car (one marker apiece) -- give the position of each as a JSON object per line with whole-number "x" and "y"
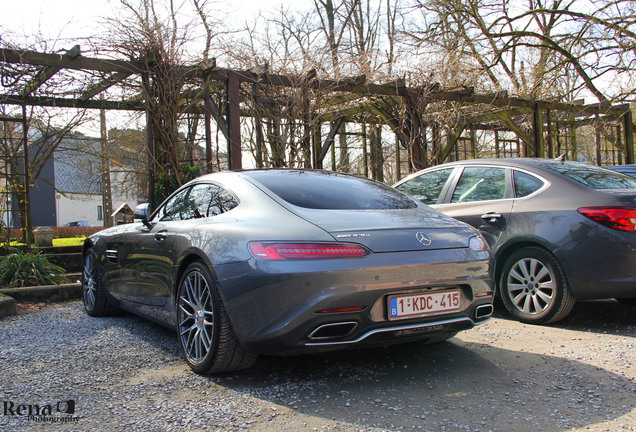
{"x": 287, "y": 262}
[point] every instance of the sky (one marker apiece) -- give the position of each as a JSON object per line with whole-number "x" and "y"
{"x": 71, "y": 20}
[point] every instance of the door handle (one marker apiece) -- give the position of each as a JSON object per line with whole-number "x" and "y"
{"x": 491, "y": 217}
{"x": 161, "y": 236}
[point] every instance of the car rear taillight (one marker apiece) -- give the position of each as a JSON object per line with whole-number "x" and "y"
{"x": 282, "y": 251}
{"x": 620, "y": 218}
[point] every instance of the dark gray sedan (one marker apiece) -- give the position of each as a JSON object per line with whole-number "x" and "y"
{"x": 290, "y": 261}
{"x": 560, "y": 230}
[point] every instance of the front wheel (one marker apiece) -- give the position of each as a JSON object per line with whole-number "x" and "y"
{"x": 533, "y": 287}
{"x": 93, "y": 292}
{"x": 206, "y": 337}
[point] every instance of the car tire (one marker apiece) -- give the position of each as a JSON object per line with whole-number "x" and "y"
{"x": 533, "y": 287}
{"x": 205, "y": 334}
{"x": 94, "y": 294}
{"x": 627, "y": 301}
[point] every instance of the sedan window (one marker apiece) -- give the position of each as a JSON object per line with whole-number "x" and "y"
{"x": 592, "y": 176}
{"x": 427, "y": 187}
{"x": 480, "y": 184}
{"x": 525, "y": 184}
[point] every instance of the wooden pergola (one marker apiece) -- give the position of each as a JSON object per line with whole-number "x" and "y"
{"x": 226, "y": 95}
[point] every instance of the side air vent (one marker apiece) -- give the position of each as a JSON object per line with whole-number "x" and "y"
{"x": 111, "y": 254}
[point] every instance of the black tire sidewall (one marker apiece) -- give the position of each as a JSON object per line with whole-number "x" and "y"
{"x": 99, "y": 304}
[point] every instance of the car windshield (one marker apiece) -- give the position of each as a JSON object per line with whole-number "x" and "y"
{"x": 592, "y": 176}
{"x": 327, "y": 190}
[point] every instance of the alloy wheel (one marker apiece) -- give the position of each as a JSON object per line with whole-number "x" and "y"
{"x": 530, "y": 286}
{"x": 195, "y": 315}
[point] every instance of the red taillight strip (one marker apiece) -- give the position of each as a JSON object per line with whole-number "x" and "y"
{"x": 620, "y": 218}
{"x": 282, "y": 251}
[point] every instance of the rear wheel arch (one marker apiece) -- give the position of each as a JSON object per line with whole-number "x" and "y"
{"x": 504, "y": 253}
{"x": 185, "y": 262}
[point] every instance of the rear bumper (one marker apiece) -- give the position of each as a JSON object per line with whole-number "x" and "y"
{"x": 600, "y": 263}
{"x": 275, "y": 307}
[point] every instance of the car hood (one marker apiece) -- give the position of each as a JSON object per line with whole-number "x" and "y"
{"x": 392, "y": 230}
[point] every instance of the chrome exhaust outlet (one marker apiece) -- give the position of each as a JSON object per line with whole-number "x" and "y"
{"x": 483, "y": 311}
{"x": 333, "y": 331}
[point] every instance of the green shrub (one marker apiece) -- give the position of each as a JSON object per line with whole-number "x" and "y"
{"x": 21, "y": 269}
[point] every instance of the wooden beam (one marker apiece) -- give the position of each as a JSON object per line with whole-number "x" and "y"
{"x": 104, "y": 84}
{"x": 335, "y": 127}
{"x": 518, "y": 131}
{"x": 78, "y": 63}
{"x": 47, "y": 72}
{"x": 451, "y": 140}
{"x": 72, "y": 103}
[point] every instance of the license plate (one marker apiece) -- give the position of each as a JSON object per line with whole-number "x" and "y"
{"x": 404, "y": 306}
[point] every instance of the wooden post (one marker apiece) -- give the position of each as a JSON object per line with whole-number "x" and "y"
{"x": 365, "y": 155}
{"x": 539, "y": 143}
{"x": 317, "y": 147}
{"x": 207, "y": 105}
{"x": 398, "y": 162}
{"x": 597, "y": 139}
{"x": 629, "y": 137}
{"x": 258, "y": 125}
{"x": 107, "y": 198}
{"x": 573, "y": 138}
{"x": 235, "y": 161}
{"x": 550, "y": 130}
{"x": 28, "y": 233}
{"x": 150, "y": 145}
{"x": 619, "y": 144}
{"x": 497, "y": 143}
{"x": 435, "y": 145}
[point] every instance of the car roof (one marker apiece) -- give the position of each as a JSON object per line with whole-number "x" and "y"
{"x": 538, "y": 164}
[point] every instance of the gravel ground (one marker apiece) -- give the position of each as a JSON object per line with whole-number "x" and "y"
{"x": 123, "y": 373}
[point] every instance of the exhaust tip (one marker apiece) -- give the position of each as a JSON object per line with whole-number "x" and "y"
{"x": 333, "y": 331}
{"x": 483, "y": 311}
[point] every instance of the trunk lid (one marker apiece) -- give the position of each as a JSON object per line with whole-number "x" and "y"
{"x": 392, "y": 230}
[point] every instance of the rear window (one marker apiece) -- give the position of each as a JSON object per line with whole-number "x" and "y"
{"x": 594, "y": 177}
{"x": 329, "y": 190}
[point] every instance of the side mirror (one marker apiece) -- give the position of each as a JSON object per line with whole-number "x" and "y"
{"x": 142, "y": 212}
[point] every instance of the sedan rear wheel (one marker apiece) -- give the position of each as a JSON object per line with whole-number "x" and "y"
{"x": 534, "y": 288}
{"x": 93, "y": 291}
{"x": 206, "y": 337}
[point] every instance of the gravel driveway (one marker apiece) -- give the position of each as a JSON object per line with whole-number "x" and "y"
{"x": 123, "y": 373}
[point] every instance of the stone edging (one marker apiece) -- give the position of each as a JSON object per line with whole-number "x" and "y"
{"x": 50, "y": 293}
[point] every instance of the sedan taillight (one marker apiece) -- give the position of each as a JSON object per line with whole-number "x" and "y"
{"x": 620, "y": 218}
{"x": 282, "y": 251}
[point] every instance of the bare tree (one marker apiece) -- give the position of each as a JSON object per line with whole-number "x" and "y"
{"x": 526, "y": 45}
